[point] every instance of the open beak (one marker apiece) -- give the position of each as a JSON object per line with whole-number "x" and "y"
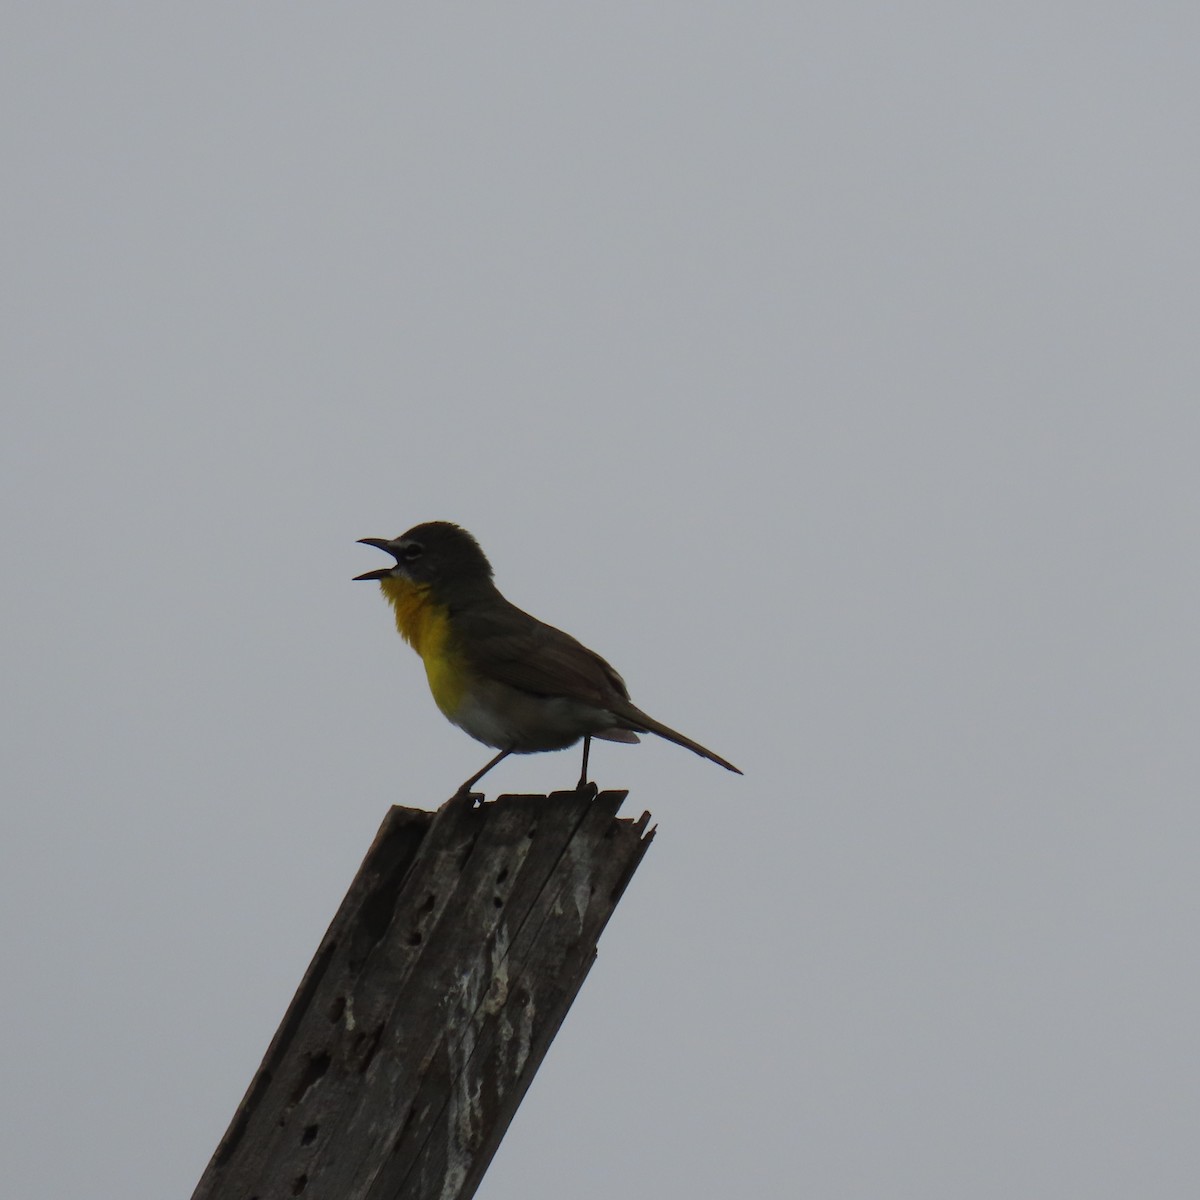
{"x": 386, "y": 544}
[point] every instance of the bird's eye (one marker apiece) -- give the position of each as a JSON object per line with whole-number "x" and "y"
{"x": 412, "y": 551}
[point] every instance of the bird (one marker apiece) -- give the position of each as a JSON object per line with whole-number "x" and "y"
{"x": 509, "y": 680}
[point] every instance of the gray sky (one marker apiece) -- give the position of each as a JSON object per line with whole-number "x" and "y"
{"x": 830, "y": 368}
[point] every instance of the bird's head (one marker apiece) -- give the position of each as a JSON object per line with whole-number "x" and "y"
{"x": 437, "y": 554}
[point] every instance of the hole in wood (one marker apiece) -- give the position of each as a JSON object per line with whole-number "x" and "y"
{"x": 414, "y": 938}
{"x": 299, "y": 1184}
{"x": 430, "y": 901}
{"x": 337, "y": 1009}
{"x": 497, "y": 901}
{"x": 502, "y": 876}
{"x": 367, "y": 1046}
{"x": 313, "y": 1071}
{"x": 309, "y": 1135}
{"x": 531, "y": 830}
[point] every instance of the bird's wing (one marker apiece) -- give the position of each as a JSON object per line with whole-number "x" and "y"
{"x": 511, "y": 647}
{"x": 516, "y": 649}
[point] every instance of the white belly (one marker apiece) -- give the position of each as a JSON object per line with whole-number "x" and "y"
{"x": 503, "y": 717}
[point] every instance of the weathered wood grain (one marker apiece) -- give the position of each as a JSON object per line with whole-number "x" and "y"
{"x": 431, "y": 1001}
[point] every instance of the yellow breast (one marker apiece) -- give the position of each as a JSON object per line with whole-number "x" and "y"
{"x": 425, "y": 626}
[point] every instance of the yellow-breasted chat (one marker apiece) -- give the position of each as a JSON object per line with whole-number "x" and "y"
{"x": 506, "y": 678}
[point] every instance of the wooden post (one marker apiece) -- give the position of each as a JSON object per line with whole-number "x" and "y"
{"x": 430, "y": 1002}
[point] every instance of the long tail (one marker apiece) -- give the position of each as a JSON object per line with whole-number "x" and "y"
{"x": 641, "y": 722}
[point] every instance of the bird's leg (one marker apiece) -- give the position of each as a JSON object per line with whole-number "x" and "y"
{"x": 465, "y": 790}
{"x": 587, "y": 746}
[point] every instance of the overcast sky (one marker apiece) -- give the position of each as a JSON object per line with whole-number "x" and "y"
{"x": 830, "y": 368}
